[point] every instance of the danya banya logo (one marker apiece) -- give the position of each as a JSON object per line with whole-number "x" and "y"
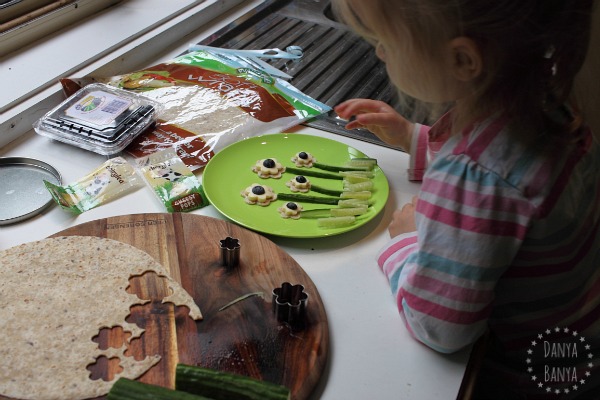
{"x": 559, "y": 361}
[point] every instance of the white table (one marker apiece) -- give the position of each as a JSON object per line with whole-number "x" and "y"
{"x": 372, "y": 354}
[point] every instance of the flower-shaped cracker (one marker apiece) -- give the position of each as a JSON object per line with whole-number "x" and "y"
{"x": 298, "y": 184}
{"x": 304, "y": 159}
{"x": 290, "y": 210}
{"x": 259, "y": 194}
{"x": 268, "y": 168}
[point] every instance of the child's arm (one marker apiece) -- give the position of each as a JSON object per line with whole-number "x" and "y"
{"x": 444, "y": 277}
{"x": 379, "y": 118}
{"x": 385, "y": 122}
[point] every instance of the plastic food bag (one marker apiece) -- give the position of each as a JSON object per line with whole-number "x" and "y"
{"x": 210, "y": 100}
{"x": 173, "y": 182}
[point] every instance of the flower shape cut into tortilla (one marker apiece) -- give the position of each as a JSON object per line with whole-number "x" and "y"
{"x": 268, "y": 168}
{"x": 304, "y": 159}
{"x": 290, "y": 210}
{"x": 259, "y": 194}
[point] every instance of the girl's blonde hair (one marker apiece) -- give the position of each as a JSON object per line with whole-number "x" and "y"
{"x": 531, "y": 49}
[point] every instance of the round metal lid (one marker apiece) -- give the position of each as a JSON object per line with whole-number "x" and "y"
{"x": 22, "y": 190}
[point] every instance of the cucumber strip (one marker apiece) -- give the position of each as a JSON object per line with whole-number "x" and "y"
{"x": 307, "y": 199}
{"x": 364, "y": 195}
{"x": 343, "y": 212}
{"x": 350, "y": 179}
{"x": 359, "y": 187}
{"x": 351, "y": 203}
{"x": 334, "y": 212}
{"x": 316, "y": 213}
{"x": 364, "y": 174}
{"x": 338, "y": 168}
{"x": 316, "y": 174}
{"x": 322, "y": 190}
{"x": 367, "y": 162}
{"x": 127, "y": 389}
{"x": 336, "y": 222}
{"x": 223, "y": 386}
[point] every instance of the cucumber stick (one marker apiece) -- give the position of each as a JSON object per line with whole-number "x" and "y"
{"x": 362, "y": 195}
{"x": 316, "y": 174}
{"x": 336, "y": 222}
{"x": 219, "y": 385}
{"x": 307, "y": 199}
{"x": 355, "y": 164}
{"x": 333, "y": 212}
{"x": 351, "y": 179}
{"x": 127, "y": 389}
{"x": 352, "y": 203}
{"x": 356, "y": 174}
{"x": 344, "y": 212}
{"x": 354, "y": 198}
{"x": 329, "y": 192}
{"x": 336, "y": 168}
{"x": 317, "y": 213}
{"x": 358, "y": 187}
{"x": 365, "y": 162}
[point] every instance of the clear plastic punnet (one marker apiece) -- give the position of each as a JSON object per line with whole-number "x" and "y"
{"x": 100, "y": 118}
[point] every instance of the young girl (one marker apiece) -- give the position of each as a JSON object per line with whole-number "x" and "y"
{"x": 504, "y": 235}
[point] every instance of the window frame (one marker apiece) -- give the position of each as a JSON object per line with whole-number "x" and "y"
{"x": 29, "y": 78}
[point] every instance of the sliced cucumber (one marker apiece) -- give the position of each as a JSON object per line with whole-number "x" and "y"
{"x": 224, "y": 386}
{"x": 334, "y": 212}
{"x": 307, "y": 198}
{"x": 366, "y": 162}
{"x": 351, "y": 203}
{"x": 337, "y": 168}
{"x": 356, "y": 174}
{"x": 336, "y": 222}
{"x": 363, "y": 195}
{"x": 316, "y": 174}
{"x": 322, "y": 190}
{"x": 317, "y": 213}
{"x": 127, "y": 389}
{"x": 350, "y": 179}
{"x": 359, "y": 187}
{"x": 343, "y": 212}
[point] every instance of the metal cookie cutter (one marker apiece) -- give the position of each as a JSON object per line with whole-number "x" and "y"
{"x": 289, "y": 305}
{"x": 230, "y": 252}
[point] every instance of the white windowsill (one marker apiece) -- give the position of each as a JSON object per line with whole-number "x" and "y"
{"x": 127, "y": 36}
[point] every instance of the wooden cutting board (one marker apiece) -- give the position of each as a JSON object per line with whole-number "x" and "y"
{"x": 246, "y": 337}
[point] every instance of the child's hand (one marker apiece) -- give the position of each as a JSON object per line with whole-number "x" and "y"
{"x": 379, "y": 118}
{"x": 403, "y": 220}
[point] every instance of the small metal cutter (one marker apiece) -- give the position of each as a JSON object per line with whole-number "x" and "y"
{"x": 230, "y": 252}
{"x": 289, "y": 304}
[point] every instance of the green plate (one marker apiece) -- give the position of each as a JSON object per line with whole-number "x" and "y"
{"x": 229, "y": 172}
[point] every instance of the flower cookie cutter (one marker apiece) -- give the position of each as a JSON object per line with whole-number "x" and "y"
{"x": 230, "y": 252}
{"x": 289, "y": 305}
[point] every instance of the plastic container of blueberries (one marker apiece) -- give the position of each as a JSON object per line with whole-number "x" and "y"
{"x": 99, "y": 118}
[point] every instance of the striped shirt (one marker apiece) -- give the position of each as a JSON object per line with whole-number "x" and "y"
{"x": 507, "y": 238}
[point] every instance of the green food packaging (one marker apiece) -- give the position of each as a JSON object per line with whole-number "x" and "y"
{"x": 173, "y": 182}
